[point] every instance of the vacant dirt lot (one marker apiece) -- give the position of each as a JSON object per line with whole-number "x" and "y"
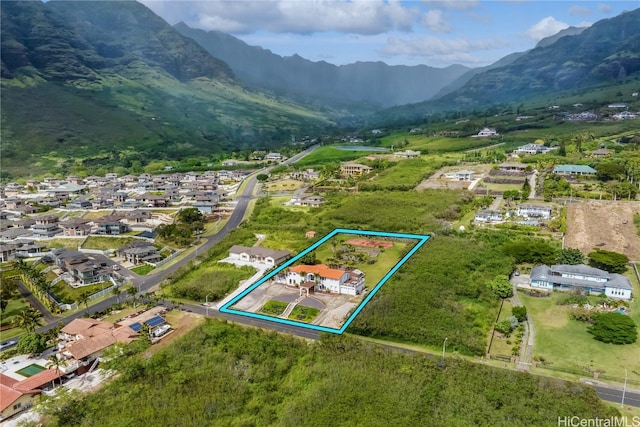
{"x": 606, "y": 225}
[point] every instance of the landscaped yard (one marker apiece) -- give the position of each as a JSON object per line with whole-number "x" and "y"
{"x": 274, "y": 308}
{"x": 69, "y": 295}
{"x": 304, "y": 314}
{"x": 282, "y": 185}
{"x": 564, "y": 343}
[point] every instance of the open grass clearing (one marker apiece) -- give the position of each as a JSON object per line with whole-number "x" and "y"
{"x": 69, "y": 243}
{"x": 142, "y": 269}
{"x": 282, "y": 185}
{"x": 328, "y": 154}
{"x": 91, "y": 215}
{"x": 104, "y": 243}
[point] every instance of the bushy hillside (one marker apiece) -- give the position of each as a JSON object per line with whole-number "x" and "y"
{"x": 106, "y": 79}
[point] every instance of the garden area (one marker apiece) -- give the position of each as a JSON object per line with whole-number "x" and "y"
{"x": 273, "y": 308}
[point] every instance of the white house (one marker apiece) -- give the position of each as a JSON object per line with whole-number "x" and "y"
{"x": 488, "y": 216}
{"x": 532, "y": 149}
{"x": 274, "y": 156}
{"x": 461, "y": 175}
{"x": 270, "y": 257}
{"x": 408, "y": 154}
{"x": 485, "y": 133}
{"x": 583, "y": 277}
{"x": 323, "y": 278}
{"x": 527, "y": 210}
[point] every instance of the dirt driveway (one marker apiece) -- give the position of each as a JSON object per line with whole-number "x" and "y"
{"x": 603, "y": 224}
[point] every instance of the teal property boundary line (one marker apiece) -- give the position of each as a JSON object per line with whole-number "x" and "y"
{"x": 422, "y": 239}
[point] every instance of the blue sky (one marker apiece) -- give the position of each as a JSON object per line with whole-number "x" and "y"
{"x": 436, "y": 33}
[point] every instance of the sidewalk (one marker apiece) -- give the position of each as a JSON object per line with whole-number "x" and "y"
{"x": 244, "y": 285}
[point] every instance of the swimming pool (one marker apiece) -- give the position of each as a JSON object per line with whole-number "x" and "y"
{"x": 31, "y": 370}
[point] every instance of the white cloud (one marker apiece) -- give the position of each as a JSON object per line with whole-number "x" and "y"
{"x": 452, "y": 4}
{"x": 545, "y": 27}
{"x": 439, "y": 50}
{"x": 434, "y": 21}
{"x": 290, "y": 16}
{"x": 579, "y": 11}
{"x": 604, "y": 8}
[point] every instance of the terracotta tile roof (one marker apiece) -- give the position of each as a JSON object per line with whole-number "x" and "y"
{"x": 87, "y": 327}
{"x": 321, "y": 270}
{"x": 88, "y": 346}
{"x": 38, "y": 380}
{"x": 9, "y": 392}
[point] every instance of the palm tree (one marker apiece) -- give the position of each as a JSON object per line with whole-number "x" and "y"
{"x": 56, "y": 363}
{"x": 28, "y": 319}
{"x": 84, "y": 299}
{"x": 132, "y": 292}
{"x": 601, "y": 187}
{"x": 116, "y": 293}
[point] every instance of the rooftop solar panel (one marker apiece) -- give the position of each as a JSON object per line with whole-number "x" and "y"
{"x": 155, "y": 321}
{"x": 136, "y": 326}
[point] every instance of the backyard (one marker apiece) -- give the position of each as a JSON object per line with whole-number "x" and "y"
{"x": 104, "y": 243}
{"x": 565, "y": 344}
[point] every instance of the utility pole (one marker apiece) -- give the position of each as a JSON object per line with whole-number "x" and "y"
{"x": 206, "y": 304}
{"x": 444, "y": 347}
{"x": 624, "y": 389}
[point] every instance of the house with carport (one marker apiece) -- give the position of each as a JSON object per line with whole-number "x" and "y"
{"x": 583, "y": 278}
{"x": 258, "y": 254}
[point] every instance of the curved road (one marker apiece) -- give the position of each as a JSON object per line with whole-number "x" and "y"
{"x": 612, "y": 394}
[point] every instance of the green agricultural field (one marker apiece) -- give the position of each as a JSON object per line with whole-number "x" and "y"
{"x": 565, "y": 344}
{"x": 402, "y": 175}
{"x": 328, "y": 154}
{"x": 105, "y": 243}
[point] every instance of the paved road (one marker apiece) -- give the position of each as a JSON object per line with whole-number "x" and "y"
{"x": 612, "y": 394}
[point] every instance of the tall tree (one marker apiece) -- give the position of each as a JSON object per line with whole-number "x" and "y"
{"x": 28, "y": 319}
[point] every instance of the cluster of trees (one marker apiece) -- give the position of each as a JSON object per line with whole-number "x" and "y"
{"x": 222, "y": 374}
{"x": 36, "y": 282}
{"x": 610, "y": 261}
{"x": 189, "y": 221}
{"x": 613, "y": 327}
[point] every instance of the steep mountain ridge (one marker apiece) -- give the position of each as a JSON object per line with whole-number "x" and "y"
{"x": 374, "y": 83}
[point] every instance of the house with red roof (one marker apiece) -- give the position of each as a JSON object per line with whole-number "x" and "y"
{"x": 18, "y": 395}
{"x": 320, "y": 277}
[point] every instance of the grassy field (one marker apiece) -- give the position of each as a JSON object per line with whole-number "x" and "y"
{"x": 63, "y": 243}
{"x": 15, "y": 306}
{"x": 142, "y": 269}
{"x": 406, "y": 174}
{"x": 95, "y": 214}
{"x": 565, "y": 343}
{"x": 328, "y": 154}
{"x": 501, "y": 345}
{"x": 104, "y": 243}
{"x": 282, "y": 185}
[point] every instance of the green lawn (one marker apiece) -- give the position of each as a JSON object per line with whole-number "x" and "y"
{"x": 566, "y": 344}
{"x": 273, "y": 308}
{"x": 304, "y": 314}
{"x": 103, "y": 243}
{"x": 142, "y": 269}
{"x": 69, "y": 295}
{"x": 15, "y": 306}
{"x": 64, "y": 243}
{"x": 500, "y": 347}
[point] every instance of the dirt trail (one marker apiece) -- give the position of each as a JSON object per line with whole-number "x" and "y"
{"x": 603, "y": 224}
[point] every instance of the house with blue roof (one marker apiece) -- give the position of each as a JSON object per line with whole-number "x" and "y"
{"x": 574, "y": 170}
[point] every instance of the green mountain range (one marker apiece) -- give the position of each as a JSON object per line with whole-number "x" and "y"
{"x": 112, "y": 82}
